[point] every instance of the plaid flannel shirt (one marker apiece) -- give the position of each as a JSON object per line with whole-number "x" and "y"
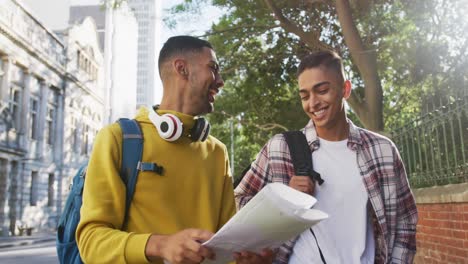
{"x": 392, "y": 205}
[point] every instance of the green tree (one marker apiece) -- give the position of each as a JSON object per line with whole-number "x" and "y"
{"x": 312, "y": 25}
{"x": 402, "y": 56}
{"x": 395, "y": 52}
{"x": 260, "y": 57}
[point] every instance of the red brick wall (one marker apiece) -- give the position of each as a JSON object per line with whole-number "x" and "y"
{"x": 442, "y": 233}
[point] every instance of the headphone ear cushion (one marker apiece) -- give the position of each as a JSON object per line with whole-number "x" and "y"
{"x": 200, "y": 130}
{"x": 170, "y": 127}
{"x": 207, "y": 132}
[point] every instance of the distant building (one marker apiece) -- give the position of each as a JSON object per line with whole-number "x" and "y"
{"x": 97, "y": 12}
{"x": 118, "y": 36}
{"x": 148, "y": 15}
{"x": 51, "y": 106}
{"x": 84, "y": 105}
{"x": 120, "y": 51}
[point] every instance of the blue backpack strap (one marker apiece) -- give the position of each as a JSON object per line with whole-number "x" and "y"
{"x": 132, "y": 152}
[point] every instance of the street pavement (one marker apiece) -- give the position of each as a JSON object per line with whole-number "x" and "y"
{"x": 37, "y": 248}
{"x": 14, "y": 241}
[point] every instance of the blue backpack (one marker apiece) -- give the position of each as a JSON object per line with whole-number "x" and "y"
{"x": 132, "y": 151}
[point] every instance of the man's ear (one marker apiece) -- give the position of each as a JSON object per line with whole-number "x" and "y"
{"x": 180, "y": 66}
{"x": 347, "y": 89}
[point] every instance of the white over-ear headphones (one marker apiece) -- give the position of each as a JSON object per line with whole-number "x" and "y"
{"x": 170, "y": 127}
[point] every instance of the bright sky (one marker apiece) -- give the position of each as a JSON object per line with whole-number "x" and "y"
{"x": 56, "y": 18}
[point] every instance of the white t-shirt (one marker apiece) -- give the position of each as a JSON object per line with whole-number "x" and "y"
{"x": 347, "y": 235}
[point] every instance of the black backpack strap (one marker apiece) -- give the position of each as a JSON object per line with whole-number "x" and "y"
{"x": 132, "y": 152}
{"x": 301, "y": 155}
{"x": 318, "y": 246}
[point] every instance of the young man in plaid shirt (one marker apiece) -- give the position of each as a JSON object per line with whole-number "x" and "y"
{"x": 366, "y": 193}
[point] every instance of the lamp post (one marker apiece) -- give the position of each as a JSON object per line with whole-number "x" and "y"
{"x": 231, "y": 126}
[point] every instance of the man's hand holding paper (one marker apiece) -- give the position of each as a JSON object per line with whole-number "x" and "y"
{"x": 276, "y": 214}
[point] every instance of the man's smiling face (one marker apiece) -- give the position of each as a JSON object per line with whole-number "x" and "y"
{"x": 322, "y": 91}
{"x": 205, "y": 81}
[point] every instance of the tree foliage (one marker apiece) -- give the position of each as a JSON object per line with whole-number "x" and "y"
{"x": 416, "y": 51}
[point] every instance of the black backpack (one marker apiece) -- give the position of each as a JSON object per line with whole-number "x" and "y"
{"x": 300, "y": 155}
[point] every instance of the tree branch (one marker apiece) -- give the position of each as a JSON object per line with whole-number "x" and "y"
{"x": 308, "y": 3}
{"x": 311, "y": 38}
{"x": 366, "y": 62}
{"x": 216, "y": 32}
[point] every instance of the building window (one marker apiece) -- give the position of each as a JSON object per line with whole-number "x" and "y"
{"x": 82, "y": 63}
{"x": 94, "y": 73}
{"x": 49, "y": 131}
{"x": 87, "y": 65}
{"x": 84, "y": 141}
{"x": 19, "y": 76}
{"x": 34, "y": 188}
{"x": 73, "y": 134}
{"x": 2, "y": 72}
{"x": 51, "y": 191}
{"x": 78, "y": 59}
{"x": 34, "y": 116}
{"x": 50, "y": 117}
{"x": 14, "y": 104}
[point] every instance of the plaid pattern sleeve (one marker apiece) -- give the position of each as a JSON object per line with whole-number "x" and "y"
{"x": 404, "y": 247}
{"x": 390, "y": 196}
{"x": 272, "y": 164}
{"x": 254, "y": 179}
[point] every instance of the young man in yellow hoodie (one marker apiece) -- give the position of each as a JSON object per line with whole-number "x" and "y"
{"x": 170, "y": 214}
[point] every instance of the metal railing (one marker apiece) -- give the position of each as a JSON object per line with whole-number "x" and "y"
{"x": 434, "y": 147}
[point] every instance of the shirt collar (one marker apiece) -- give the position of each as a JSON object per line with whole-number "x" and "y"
{"x": 310, "y": 132}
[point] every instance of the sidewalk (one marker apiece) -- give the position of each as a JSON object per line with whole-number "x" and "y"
{"x": 6, "y": 242}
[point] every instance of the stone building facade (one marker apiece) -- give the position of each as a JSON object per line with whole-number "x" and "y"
{"x": 51, "y": 106}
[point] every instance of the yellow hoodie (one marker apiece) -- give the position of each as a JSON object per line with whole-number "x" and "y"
{"x": 195, "y": 191}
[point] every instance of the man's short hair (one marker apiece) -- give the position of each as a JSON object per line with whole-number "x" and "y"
{"x": 327, "y": 59}
{"x": 180, "y": 45}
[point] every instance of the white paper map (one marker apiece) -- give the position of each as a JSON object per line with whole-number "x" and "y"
{"x": 276, "y": 214}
